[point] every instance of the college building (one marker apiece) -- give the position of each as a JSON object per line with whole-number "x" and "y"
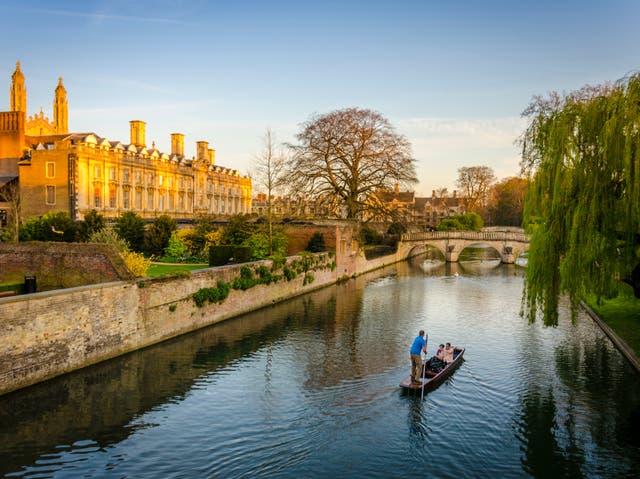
{"x": 45, "y": 168}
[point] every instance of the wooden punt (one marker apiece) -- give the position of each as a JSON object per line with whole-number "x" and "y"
{"x": 431, "y": 379}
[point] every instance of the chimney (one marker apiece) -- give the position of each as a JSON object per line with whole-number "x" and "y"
{"x": 138, "y": 133}
{"x": 177, "y": 144}
{"x": 212, "y": 156}
{"x": 455, "y": 193}
{"x": 202, "y": 148}
{"x": 433, "y": 193}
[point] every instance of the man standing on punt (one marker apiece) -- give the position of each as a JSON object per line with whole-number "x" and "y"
{"x": 419, "y": 345}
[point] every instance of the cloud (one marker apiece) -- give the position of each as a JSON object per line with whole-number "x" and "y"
{"x": 100, "y": 17}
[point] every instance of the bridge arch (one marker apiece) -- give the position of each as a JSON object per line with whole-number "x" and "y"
{"x": 508, "y": 244}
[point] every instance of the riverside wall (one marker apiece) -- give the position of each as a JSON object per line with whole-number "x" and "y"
{"x": 50, "y": 333}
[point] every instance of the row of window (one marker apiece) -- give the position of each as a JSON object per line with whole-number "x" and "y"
{"x": 97, "y": 173}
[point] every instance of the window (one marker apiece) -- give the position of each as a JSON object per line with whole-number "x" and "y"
{"x": 97, "y": 198}
{"x": 161, "y": 202}
{"x": 51, "y": 195}
{"x": 112, "y": 173}
{"x": 139, "y": 200}
{"x": 138, "y": 177}
{"x": 112, "y": 197}
{"x": 150, "y": 200}
{"x": 125, "y": 175}
{"x": 97, "y": 171}
{"x": 171, "y": 202}
{"x": 149, "y": 178}
{"x": 160, "y": 180}
{"x": 51, "y": 169}
{"x": 181, "y": 201}
{"x": 125, "y": 199}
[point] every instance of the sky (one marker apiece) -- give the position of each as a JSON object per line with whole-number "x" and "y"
{"x": 453, "y": 77}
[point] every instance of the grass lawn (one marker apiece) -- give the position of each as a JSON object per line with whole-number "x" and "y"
{"x": 623, "y": 315}
{"x": 159, "y": 269}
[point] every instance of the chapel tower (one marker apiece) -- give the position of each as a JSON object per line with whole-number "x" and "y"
{"x": 61, "y": 109}
{"x": 18, "y": 91}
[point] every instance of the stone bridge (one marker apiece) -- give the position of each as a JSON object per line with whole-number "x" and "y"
{"x": 451, "y": 243}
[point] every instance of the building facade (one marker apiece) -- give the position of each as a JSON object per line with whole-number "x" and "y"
{"x": 77, "y": 172}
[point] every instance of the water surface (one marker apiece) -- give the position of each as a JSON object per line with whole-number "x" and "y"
{"x": 309, "y": 388}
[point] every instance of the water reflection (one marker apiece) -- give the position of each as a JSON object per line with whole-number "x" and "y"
{"x": 309, "y": 388}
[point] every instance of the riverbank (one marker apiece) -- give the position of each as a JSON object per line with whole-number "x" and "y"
{"x": 620, "y": 319}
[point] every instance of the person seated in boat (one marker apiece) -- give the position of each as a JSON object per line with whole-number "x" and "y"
{"x": 419, "y": 346}
{"x": 440, "y": 352}
{"x": 447, "y": 353}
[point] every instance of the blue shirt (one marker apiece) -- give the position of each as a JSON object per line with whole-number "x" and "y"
{"x": 417, "y": 345}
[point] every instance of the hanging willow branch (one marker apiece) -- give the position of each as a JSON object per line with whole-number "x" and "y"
{"x": 583, "y": 151}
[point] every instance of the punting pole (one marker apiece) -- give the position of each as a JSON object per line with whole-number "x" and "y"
{"x": 424, "y": 366}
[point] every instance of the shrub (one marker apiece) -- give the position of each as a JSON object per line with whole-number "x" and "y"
{"x": 213, "y": 295}
{"x": 108, "y": 235}
{"x": 316, "y": 243}
{"x": 157, "y": 237}
{"x": 176, "y": 248}
{"x": 369, "y": 236}
{"x": 92, "y": 223}
{"x": 219, "y": 255}
{"x": 130, "y": 227}
{"x": 56, "y": 226}
{"x": 136, "y": 263}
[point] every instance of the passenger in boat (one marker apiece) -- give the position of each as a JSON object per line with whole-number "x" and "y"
{"x": 419, "y": 345}
{"x": 447, "y": 354}
{"x": 440, "y": 352}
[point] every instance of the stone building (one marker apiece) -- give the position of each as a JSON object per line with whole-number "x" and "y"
{"x": 76, "y": 172}
{"x": 430, "y": 211}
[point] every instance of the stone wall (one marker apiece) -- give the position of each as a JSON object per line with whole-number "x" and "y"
{"x": 61, "y": 265}
{"x": 47, "y": 334}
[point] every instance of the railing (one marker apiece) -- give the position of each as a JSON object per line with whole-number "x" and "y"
{"x": 467, "y": 235}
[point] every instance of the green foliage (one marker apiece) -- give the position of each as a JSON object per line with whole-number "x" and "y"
{"x": 176, "y": 248}
{"x": 130, "y": 227}
{"x": 219, "y": 255}
{"x": 316, "y": 243}
{"x": 289, "y": 273}
{"x": 157, "y": 236}
{"x": 506, "y": 202}
{"x": 396, "y": 228}
{"x": 108, "y": 235}
{"x": 93, "y": 222}
{"x": 238, "y": 230}
{"x": 308, "y": 279}
{"x": 369, "y": 236}
{"x": 55, "y": 226}
{"x": 213, "y": 295}
{"x": 173, "y": 307}
{"x": 584, "y": 151}
{"x": 223, "y": 254}
{"x": 466, "y": 222}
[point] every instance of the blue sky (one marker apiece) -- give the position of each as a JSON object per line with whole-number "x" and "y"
{"x": 451, "y": 76}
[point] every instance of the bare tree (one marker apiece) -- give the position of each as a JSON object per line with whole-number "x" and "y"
{"x": 475, "y": 181}
{"x": 442, "y": 192}
{"x": 270, "y": 166}
{"x": 347, "y": 155}
{"x": 10, "y": 196}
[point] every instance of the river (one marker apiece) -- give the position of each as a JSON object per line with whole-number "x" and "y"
{"x": 309, "y": 388}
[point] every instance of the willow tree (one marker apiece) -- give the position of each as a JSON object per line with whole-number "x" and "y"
{"x": 347, "y": 156}
{"x": 583, "y": 152}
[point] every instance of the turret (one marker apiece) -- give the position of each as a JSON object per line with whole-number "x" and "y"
{"x": 18, "y": 91}
{"x": 60, "y": 109}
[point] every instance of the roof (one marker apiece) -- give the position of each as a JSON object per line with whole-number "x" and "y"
{"x": 7, "y": 179}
